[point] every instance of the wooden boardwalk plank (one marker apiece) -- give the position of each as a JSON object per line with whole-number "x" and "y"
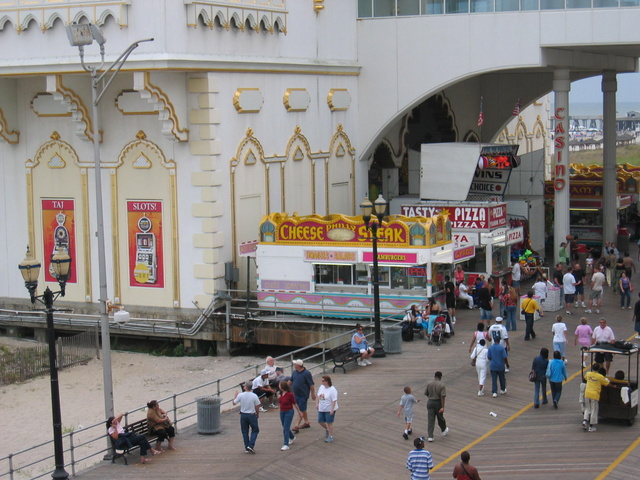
{"x": 522, "y": 441}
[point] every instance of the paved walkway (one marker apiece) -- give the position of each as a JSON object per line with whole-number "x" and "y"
{"x": 520, "y": 442}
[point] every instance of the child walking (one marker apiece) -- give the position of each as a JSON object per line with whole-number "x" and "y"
{"x": 406, "y": 403}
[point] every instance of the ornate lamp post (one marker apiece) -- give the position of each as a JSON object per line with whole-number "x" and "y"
{"x": 378, "y": 208}
{"x": 30, "y": 269}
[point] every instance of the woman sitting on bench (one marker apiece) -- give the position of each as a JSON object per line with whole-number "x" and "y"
{"x": 160, "y": 425}
{"x": 125, "y": 440}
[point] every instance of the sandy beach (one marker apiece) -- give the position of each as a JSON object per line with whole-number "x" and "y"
{"x": 137, "y": 378}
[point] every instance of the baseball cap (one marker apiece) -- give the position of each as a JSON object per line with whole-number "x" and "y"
{"x": 264, "y": 372}
{"x": 300, "y": 363}
{"x": 498, "y": 319}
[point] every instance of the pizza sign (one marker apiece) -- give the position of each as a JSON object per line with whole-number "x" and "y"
{"x": 473, "y": 218}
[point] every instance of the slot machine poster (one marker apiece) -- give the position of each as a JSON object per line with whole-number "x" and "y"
{"x": 58, "y": 229}
{"x": 146, "y": 250}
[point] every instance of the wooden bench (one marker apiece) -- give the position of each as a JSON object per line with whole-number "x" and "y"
{"x": 139, "y": 428}
{"x": 342, "y": 355}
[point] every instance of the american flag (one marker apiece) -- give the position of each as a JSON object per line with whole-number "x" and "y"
{"x": 481, "y": 115}
{"x": 516, "y": 109}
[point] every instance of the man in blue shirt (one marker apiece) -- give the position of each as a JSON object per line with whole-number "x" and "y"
{"x": 419, "y": 461}
{"x": 302, "y": 386}
{"x": 497, "y": 356}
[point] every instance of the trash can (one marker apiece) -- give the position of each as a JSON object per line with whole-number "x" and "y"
{"x": 392, "y": 339}
{"x": 623, "y": 240}
{"x": 208, "y": 415}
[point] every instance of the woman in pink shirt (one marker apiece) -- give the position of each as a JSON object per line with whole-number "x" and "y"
{"x": 583, "y": 337}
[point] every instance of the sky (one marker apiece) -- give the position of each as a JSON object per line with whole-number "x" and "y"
{"x": 589, "y": 90}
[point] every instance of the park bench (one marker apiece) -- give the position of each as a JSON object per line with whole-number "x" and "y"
{"x": 139, "y": 428}
{"x": 342, "y": 355}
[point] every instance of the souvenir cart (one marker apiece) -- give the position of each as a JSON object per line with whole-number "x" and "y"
{"x": 619, "y": 399}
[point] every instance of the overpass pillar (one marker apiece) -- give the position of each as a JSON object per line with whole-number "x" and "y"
{"x": 609, "y": 190}
{"x": 561, "y": 187}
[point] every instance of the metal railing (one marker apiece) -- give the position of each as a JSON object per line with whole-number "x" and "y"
{"x": 86, "y": 446}
{"x": 404, "y": 8}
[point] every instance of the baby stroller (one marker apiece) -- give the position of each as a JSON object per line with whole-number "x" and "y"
{"x": 438, "y": 333}
{"x": 449, "y": 326}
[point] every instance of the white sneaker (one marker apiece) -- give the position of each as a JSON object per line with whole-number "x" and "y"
{"x": 494, "y": 395}
{"x": 503, "y": 392}
{"x": 583, "y": 305}
{"x": 262, "y": 409}
{"x": 597, "y": 311}
{"x": 506, "y": 370}
{"x": 367, "y": 361}
{"x": 273, "y": 405}
{"x": 637, "y": 337}
{"x": 361, "y": 363}
{"x": 291, "y": 440}
{"x": 445, "y": 432}
{"x": 284, "y": 447}
{"x": 430, "y": 439}
{"x": 480, "y": 393}
{"x": 588, "y": 310}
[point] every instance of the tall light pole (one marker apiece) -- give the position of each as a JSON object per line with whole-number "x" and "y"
{"x": 81, "y": 35}
{"x": 30, "y": 269}
{"x": 378, "y": 208}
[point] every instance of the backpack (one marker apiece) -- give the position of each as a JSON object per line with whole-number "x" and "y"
{"x": 496, "y": 335}
{"x": 407, "y": 332}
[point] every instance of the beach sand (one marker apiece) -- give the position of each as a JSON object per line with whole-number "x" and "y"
{"x": 137, "y": 378}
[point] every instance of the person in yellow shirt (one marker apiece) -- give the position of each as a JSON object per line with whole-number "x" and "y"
{"x": 595, "y": 381}
{"x": 529, "y": 307}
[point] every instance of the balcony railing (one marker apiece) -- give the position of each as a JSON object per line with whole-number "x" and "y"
{"x": 402, "y": 8}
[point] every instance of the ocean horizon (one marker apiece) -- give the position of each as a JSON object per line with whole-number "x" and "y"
{"x": 595, "y": 108}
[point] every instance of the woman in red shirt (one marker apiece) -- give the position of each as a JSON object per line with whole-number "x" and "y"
{"x": 287, "y": 405}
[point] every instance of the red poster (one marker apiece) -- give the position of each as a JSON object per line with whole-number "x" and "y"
{"x": 146, "y": 258}
{"x": 58, "y": 230}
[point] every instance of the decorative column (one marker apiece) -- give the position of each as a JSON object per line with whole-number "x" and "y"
{"x": 561, "y": 87}
{"x": 609, "y": 190}
{"x": 206, "y": 146}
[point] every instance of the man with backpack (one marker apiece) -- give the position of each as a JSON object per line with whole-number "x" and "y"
{"x": 499, "y": 334}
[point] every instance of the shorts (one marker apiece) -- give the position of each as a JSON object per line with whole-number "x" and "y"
{"x": 408, "y": 419}
{"x": 451, "y": 302}
{"x": 515, "y": 283}
{"x": 595, "y": 294}
{"x": 602, "y": 357}
{"x": 486, "y": 314}
{"x": 569, "y": 297}
{"x": 302, "y": 403}
{"x": 326, "y": 417}
{"x": 579, "y": 289}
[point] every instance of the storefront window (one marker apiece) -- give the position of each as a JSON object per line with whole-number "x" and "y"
{"x": 500, "y": 260}
{"x": 334, "y": 274}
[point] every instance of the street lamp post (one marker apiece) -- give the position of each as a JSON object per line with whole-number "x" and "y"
{"x": 378, "y": 208}
{"x": 30, "y": 269}
{"x": 81, "y": 35}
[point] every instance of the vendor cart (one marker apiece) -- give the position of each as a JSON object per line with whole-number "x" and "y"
{"x": 619, "y": 399}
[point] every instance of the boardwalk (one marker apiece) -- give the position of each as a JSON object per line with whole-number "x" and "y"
{"x": 519, "y": 442}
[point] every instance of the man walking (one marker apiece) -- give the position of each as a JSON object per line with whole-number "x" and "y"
{"x": 569, "y": 285}
{"x": 558, "y": 273}
{"x": 497, "y": 356}
{"x": 436, "y": 393}
{"x": 249, "y": 412}
{"x": 303, "y": 387}
{"x": 597, "y": 289}
{"x": 499, "y": 334}
{"x": 420, "y": 461}
{"x": 578, "y": 275}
